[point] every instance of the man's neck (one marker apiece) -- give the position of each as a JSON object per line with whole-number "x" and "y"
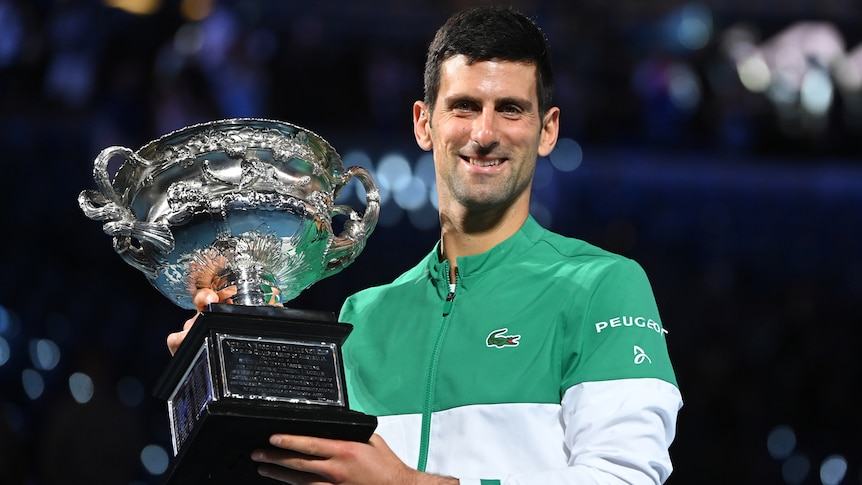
{"x": 471, "y": 233}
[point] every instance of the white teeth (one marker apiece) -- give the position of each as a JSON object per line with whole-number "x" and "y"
{"x": 485, "y": 163}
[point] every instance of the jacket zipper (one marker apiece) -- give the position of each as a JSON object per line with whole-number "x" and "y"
{"x": 432, "y": 375}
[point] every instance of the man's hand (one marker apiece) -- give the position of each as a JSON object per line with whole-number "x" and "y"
{"x": 304, "y": 460}
{"x": 201, "y": 299}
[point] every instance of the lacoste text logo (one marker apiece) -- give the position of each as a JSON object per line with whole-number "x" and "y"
{"x": 641, "y": 356}
{"x": 496, "y": 339}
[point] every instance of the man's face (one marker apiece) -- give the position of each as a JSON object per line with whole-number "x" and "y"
{"x": 486, "y": 133}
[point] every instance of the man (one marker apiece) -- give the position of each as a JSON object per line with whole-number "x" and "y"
{"x": 510, "y": 354}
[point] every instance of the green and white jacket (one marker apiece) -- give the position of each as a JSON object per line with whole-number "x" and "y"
{"x": 546, "y": 363}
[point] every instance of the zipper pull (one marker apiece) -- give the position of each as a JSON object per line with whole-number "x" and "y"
{"x": 450, "y": 297}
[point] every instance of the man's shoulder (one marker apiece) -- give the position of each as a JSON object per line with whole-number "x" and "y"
{"x": 553, "y": 255}
{"x": 575, "y": 251}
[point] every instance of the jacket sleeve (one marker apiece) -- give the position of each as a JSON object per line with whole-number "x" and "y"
{"x": 619, "y": 397}
{"x": 623, "y": 443}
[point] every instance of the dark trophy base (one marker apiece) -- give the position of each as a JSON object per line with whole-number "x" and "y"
{"x": 244, "y": 373}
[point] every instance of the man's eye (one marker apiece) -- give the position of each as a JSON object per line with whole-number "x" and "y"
{"x": 511, "y": 109}
{"x": 463, "y": 106}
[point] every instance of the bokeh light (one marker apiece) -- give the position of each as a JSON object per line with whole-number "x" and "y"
{"x": 694, "y": 30}
{"x": 795, "y": 469}
{"x": 781, "y": 442}
{"x": 833, "y": 470}
{"x": 34, "y": 384}
{"x": 816, "y": 92}
{"x": 567, "y": 155}
{"x": 155, "y": 459}
{"x": 81, "y": 386}
{"x": 44, "y": 353}
{"x": 137, "y": 7}
{"x": 5, "y": 351}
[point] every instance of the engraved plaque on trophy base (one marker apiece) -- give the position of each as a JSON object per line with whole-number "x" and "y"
{"x": 244, "y": 373}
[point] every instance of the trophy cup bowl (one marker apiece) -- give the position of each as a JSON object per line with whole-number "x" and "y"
{"x": 246, "y": 204}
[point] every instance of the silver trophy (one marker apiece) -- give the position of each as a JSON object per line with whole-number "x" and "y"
{"x": 241, "y": 204}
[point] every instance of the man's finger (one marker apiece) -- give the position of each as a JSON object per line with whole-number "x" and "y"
{"x": 175, "y": 339}
{"x": 205, "y": 296}
{"x": 307, "y": 445}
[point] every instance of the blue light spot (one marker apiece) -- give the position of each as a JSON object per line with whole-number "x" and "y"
{"x": 567, "y": 155}
{"x": 5, "y": 351}
{"x": 424, "y": 169}
{"x": 44, "y": 354}
{"x": 357, "y": 158}
{"x": 795, "y": 469}
{"x": 155, "y": 459}
{"x": 33, "y": 383}
{"x": 695, "y": 27}
{"x": 9, "y": 326}
{"x": 833, "y": 469}
{"x": 81, "y": 387}
{"x": 781, "y": 442}
{"x": 394, "y": 172}
{"x": 412, "y": 196}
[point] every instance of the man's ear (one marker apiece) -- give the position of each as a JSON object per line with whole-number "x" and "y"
{"x": 422, "y": 125}
{"x": 550, "y": 131}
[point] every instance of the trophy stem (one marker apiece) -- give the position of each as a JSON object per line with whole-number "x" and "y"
{"x": 250, "y": 282}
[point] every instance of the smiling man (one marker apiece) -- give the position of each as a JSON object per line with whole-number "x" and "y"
{"x": 486, "y": 128}
{"x": 492, "y": 360}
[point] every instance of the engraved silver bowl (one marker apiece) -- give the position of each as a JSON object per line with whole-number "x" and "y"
{"x": 242, "y": 202}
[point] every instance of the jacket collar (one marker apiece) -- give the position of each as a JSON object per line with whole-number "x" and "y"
{"x": 470, "y": 266}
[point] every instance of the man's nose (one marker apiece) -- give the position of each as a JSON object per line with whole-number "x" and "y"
{"x": 485, "y": 130}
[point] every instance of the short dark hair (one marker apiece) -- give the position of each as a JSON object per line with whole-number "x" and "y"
{"x": 490, "y": 33}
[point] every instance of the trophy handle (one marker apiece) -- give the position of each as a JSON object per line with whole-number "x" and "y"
{"x": 107, "y": 205}
{"x": 347, "y": 245}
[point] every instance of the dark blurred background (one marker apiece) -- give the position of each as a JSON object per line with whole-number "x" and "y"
{"x": 716, "y": 142}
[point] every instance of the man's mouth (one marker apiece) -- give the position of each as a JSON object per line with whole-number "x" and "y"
{"x": 484, "y": 163}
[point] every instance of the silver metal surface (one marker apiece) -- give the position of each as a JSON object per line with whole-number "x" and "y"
{"x": 242, "y": 202}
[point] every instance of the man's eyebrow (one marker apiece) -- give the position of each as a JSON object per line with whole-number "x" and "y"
{"x": 522, "y": 102}
{"x": 506, "y": 101}
{"x": 458, "y": 98}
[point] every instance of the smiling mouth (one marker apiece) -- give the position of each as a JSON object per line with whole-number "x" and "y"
{"x": 483, "y": 163}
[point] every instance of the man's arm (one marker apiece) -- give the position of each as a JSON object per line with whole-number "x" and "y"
{"x": 626, "y": 443}
{"x": 617, "y": 432}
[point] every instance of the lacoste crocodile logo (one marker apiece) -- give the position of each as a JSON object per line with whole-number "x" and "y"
{"x": 495, "y": 339}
